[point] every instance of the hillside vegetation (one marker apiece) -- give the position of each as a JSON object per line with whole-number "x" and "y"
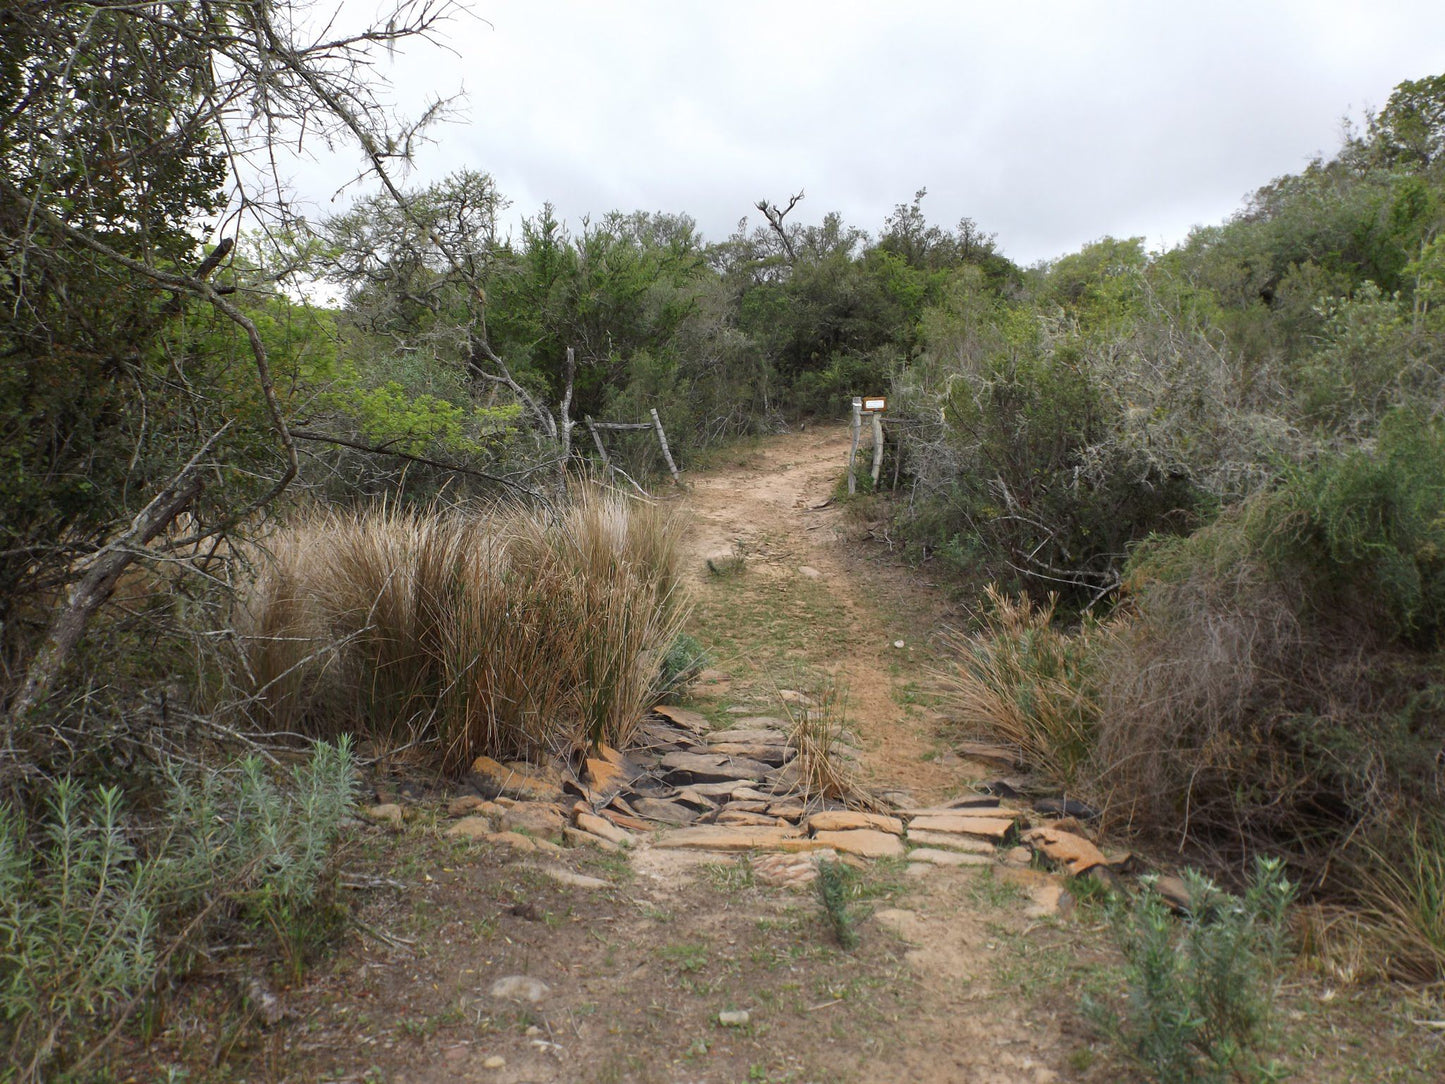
{"x": 1207, "y": 483}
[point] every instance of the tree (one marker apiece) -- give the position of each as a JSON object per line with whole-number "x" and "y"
{"x": 125, "y": 129}
{"x": 1410, "y": 130}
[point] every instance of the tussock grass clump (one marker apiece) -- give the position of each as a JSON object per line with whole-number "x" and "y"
{"x": 1024, "y": 681}
{"x": 1403, "y": 888}
{"x": 818, "y": 723}
{"x": 511, "y": 634}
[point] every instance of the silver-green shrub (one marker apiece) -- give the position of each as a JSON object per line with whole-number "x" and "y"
{"x": 1201, "y": 989}
{"x": 89, "y": 919}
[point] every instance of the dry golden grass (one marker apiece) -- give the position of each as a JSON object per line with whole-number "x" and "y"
{"x": 1024, "y": 682}
{"x": 817, "y": 727}
{"x": 1404, "y": 895}
{"x": 510, "y": 634}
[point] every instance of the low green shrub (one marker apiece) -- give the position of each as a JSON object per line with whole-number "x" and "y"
{"x": 91, "y": 919}
{"x": 834, "y": 881}
{"x": 684, "y": 660}
{"x": 1201, "y": 989}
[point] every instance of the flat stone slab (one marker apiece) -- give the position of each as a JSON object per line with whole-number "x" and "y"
{"x": 693, "y": 799}
{"x": 630, "y": 821}
{"x": 747, "y": 806}
{"x": 785, "y": 870}
{"x": 713, "y": 767}
{"x": 608, "y": 771}
{"x": 471, "y": 828}
{"x": 689, "y": 720}
{"x": 864, "y": 842}
{"x": 724, "y": 838}
{"x": 997, "y": 812}
{"x": 843, "y": 820}
{"x": 539, "y": 818}
{"x": 773, "y": 755}
{"x": 571, "y": 877}
{"x": 1075, "y": 852}
{"x": 764, "y": 722}
{"x": 750, "y": 794}
{"x": 515, "y": 780}
{"x": 935, "y": 857}
{"x": 789, "y": 810}
{"x": 578, "y": 838}
{"x": 665, "y": 811}
{"x": 741, "y": 816}
{"x": 603, "y": 828}
{"x": 724, "y": 789}
{"x": 950, "y": 841}
{"x": 760, "y": 736}
{"x": 983, "y": 827}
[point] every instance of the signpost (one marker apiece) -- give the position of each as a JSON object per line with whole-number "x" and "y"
{"x": 873, "y": 406}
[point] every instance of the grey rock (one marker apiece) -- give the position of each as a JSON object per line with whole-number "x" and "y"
{"x": 710, "y": 768}
{"x": 774, "y": 755}
{"x": 520, "y": 988}
{"x": 757, "y": 735}
{"x": 1066, "y": 807}
{"x": 665, "y": 811}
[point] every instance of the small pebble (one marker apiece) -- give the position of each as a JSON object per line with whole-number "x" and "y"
{"x": 496, "y": 1061}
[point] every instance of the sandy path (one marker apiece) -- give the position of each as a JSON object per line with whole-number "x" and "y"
{"x": 774, "y": 507}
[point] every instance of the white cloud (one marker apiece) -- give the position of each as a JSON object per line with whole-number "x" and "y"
{"x": 1051, "y": 123}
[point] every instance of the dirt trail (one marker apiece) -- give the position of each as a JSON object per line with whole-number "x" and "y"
{"x": 772, "y": 506}
{"x": 634, "y": 964}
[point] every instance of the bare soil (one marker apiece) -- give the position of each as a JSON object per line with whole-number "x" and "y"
{"x": 962, "y": 974}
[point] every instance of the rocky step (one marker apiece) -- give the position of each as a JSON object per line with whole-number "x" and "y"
{"x": 748, "y": 737}
{"x": 773, "y": 755}
{"x": 683, "y": 768}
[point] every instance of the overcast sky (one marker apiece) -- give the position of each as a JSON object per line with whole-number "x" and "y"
{"x": 1049, "y": 123}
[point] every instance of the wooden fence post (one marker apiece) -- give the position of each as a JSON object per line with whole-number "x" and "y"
{"x": 666, "y": 452}
{"x": 877, "y": 446}
{"x": 597, "y": 440}
{"x": 856, "y": 425}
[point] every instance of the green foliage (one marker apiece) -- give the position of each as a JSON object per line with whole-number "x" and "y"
{"x": 90, "y": 921}
{"x": 684, "y": 660}
{"x": 1358, "y": 532}
{"x": 1367, "y": 529}
{"x": 1201, "y": 989}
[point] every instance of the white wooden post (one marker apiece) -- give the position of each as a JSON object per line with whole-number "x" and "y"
{"x": 666, "y": 452}
{"x": 597, "y": 440}
{"x": 877, "y": 446}
{"x": 853, "y": 445}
